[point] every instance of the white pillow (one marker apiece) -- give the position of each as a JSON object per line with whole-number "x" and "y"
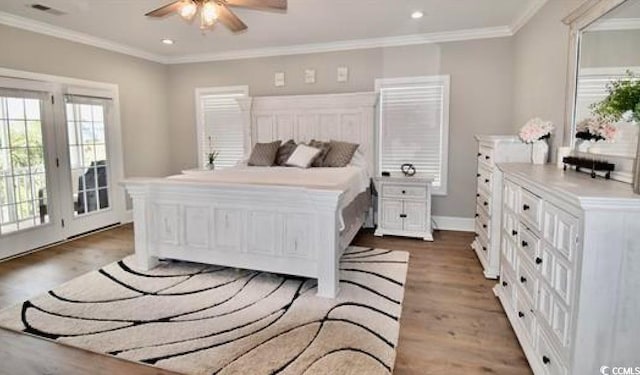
{"x": 303, "y": 156}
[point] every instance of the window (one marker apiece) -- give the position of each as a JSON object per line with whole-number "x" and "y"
{"x": 220, "y": 124}
{"x": 413, "y": 126}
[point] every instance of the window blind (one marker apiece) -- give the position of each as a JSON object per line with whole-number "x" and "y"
{"x": 223, "y": 127}
{"x": 412, "y": 120}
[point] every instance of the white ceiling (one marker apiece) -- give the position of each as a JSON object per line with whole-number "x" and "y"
{"x": 122, "y": 24}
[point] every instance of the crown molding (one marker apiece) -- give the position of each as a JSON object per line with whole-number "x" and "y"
{"x": 612, "y": 24}
{"x": 527, "y": 15}
{"x": 396, "y": 41}
{"x": 28, "y": 24}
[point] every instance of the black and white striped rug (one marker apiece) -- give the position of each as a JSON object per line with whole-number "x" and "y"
{"x": 199, "y": 319}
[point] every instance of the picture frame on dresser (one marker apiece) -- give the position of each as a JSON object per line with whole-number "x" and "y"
{"x": 493, "y": 149}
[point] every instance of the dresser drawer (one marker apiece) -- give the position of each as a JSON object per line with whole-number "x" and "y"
{"x": 485, "y": 178}
{"x": 524, "y": 311}
{"x": 486, "y": 155}
{"x": 508, "y": 287}
{"x": 530, "y": 208}
{"x": 483, "y": 223}
{"x": 560, "y": 229}
{"x": 483, "y": 200}
{"x": 526, "y": 280}
{"x": 528, "y": 244}
{"x": 404, "y": 191}
{"x": 508, "y": 250}
{"x": 511, "y": 196}
{"x": 550, "y": 360}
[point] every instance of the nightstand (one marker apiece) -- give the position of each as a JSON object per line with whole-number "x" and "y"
{"x": 404, "y": 207}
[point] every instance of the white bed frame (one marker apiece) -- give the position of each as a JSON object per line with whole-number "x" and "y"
{"x": 288, "y": 230}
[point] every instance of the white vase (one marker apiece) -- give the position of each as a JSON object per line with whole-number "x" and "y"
{"x": 540, "y": 152}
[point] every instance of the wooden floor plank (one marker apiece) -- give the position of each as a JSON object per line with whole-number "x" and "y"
{"x": 451, "y": 322}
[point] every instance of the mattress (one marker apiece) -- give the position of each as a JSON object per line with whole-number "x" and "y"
{"x": 350, "y": 180}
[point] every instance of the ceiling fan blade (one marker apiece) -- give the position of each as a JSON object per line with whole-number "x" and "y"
{"x": 229, "y": 19}
{"x": 259, "y": 4}
{"x": 165, "y": 10}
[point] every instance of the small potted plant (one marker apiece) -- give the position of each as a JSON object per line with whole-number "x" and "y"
{"x": 212, "y": 155}
{"x": 537, "y": 131}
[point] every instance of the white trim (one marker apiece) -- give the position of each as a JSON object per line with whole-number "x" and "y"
{"x": 527, "y": 15}
{"x": 394, "y": 41}
{"x": 613, "y": 24}
{"x": 127, "y": 217}
{"x": 461, "y": 224}
{"x": 28, "y": 24}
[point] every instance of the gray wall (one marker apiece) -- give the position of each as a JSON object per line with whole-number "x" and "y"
{"x": 541, "y": 49}
{"x": 481, "y": 95}
{"x": 142, "y": 85}
{"x": 610, "y": 48}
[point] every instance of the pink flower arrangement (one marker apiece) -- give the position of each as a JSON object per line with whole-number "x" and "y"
{"x": 596, "y": 128}
{"x": 536, "y": 129}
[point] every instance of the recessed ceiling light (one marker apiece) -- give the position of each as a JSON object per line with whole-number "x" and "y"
{"x": 417, "y": 14}
{"x": 168, "y": 41}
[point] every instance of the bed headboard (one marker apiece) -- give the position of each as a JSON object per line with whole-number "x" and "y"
{"x": 343, "y": 117}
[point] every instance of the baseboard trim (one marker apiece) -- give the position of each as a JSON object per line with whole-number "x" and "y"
{"x": 460, "y": 224}
{"x": 127, "y": 217}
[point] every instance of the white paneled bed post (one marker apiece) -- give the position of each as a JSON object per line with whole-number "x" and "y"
{"x": 284, "y": 229}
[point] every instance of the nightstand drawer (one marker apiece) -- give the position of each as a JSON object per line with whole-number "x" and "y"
{"x": 404, "y": 191}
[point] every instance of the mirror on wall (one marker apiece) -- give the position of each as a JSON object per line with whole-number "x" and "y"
{"x": 606, "y": 122}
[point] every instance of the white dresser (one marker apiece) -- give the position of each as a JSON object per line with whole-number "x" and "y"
{"x": 570, "y": 269}
{"x": 404, "y": 207}
{"x": 493, "y": 149}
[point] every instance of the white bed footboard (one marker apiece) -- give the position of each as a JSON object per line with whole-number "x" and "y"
{"x": 277, "y": 229}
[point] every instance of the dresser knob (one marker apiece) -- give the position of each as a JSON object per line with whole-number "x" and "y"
{"x": 526, "y": 207}
{"x": 403, "y": 215}
{"x": 546, "y": 360}
{"x": 404, "y": 192}
{"x": 486, "y": 203}
{"x": 479, "y": 154}
{"x": 538, "y": 260}
{"x": 514, "y": 232}
{"x": 477, "y": 214}
{"x": 487, "y": 157}
{"x": 486, "y": 180}
{"x": 521, "y": 314}
{"x": 484, "y": 248}
{"x": 477, "y": 174}
{"x": 523, "y": 279}
{"x": 484, "y": 226}
{"x": 525, "y": 244}
{"x": 504, "y": 283}
{"x": 478, "y": 195}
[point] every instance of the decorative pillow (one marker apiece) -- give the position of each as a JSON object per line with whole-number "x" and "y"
{"x": 264, "y": 154}
{"x": 324, "y": 150}
{"x": 303, "y": 156}
{"x": 340, "y": 153}
{"x": 285, "y": 151}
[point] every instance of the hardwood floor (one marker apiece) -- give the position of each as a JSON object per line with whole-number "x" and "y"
{"x": 451, "y": 322}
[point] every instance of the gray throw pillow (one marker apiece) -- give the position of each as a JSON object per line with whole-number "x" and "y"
{"x": 340, "y": 154}
{"x": 264, "y": 154}
{"x": 324, "y": 150}
{"x": 285, "y": 151}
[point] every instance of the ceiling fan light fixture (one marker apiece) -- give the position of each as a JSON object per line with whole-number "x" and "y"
{"x": 208, "y": 14}
{"x": 188, "y": 10}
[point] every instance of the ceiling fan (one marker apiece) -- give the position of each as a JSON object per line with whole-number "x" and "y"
{"x": 216, "y": 10}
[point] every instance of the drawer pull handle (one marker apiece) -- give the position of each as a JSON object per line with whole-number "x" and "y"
{"x": 525, "y": 244}
{"x": 523, "y": 279}
{"x": 479, "y": 154}
{"x": 486, "y": 203}
{"x": 484, "y": 248}
{"x": 404, "y": 192}
{"x": 478, "y": 175}
{"x": 486, "y": 180}
{"x": 521, "y": 314}
{"x": 478, "y": 195}
{"x": 546, "y": 360}
{"x": 403, "y": 215}
{"x": 514, "y": 232}
{"x": 538, "y": 260}
{"x": 484, "y": 226}
{"x": 477, "y": 214}
{"x": 526, "y": 207}
{"x": 504, "y": 283}
{"x": 487, "y": 157}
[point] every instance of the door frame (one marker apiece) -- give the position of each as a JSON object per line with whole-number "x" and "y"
{"x": 58, "y": 87}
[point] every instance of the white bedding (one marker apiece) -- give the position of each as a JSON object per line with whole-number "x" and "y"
{"x": 350, "y": 180}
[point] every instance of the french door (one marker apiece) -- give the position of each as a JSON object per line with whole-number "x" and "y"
{"x": 56, "y": 171}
